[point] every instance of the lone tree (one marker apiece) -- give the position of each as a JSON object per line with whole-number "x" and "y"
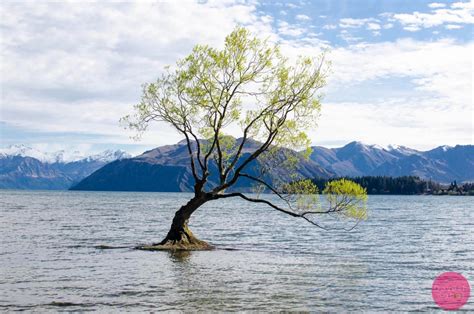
{"x": 246, "y": 87}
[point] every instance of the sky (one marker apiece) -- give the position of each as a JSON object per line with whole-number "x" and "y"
{"x": 401, "y": 69}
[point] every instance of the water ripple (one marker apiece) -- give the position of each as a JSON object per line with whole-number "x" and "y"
{"x": 73, "y": 251}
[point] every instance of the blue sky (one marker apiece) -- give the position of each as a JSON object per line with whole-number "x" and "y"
{"x": 402, "y": 70}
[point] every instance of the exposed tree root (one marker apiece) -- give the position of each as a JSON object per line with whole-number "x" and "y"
{"x": 177, "y": 246}
{"x": 179, "y": 240}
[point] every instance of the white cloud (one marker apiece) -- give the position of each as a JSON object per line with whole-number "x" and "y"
{"x": 330, "y": 26}
{"x": 442, "y": 68}
{"x": 348, "y": 37}
{"x": 459, "y": 12}
{"x": 302, "y": 17}
{"x": 355, "y": 23}
{"x": 453, "y": 26}
{"x": 79, "y": 67}
{"x": 412, "y": 28}
{"x": 370, "y": 24}
{"x": 413, "y": 122}
{"x": 439, "y": 69}
{"x": 373, "y": 26}
{"x": 266, "y": 19}
{"x": 469, "y": 5}
{"x": 437, "y": 110}
{"x": 286, "y": 29}
{"x": 292, "y": 5}
{"x": 436, "y": 5}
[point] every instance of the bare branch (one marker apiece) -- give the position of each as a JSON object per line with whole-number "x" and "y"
{"x": 262, "y": 201}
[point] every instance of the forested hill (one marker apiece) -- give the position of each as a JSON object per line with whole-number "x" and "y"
{"x": 407, "y": 185}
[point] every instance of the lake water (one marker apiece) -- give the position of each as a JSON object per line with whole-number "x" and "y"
{"x": 50, "y": 257}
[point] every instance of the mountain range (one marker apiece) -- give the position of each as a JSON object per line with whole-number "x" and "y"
{"x": 166, "y": 168}
{"x": 23, "y": 167}
{"x": 443, "y": 164}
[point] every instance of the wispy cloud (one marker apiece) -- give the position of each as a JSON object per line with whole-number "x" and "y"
{"x": 373, "y": 26}
{"x": 436, "y": 5}
{"x": 292, "y": 5}
{"x": 413, "y": 121}
{"x": 75, "y": 68}
{"x": 302, "y": 17}
{"x": 459, "y": 12}
{"x": 286, "y": 29}
{"x": 426, "y": 63}
{"x": 453, "y": 26}
{"x": 348, "y": 37}
{"x": 330, "y": 26}
{"x": 60, "y": 73}
{"x": 370, "y": 24}
{"x": 355, "y": 23}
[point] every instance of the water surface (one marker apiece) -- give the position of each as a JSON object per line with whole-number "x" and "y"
{"x": 51, "y": 256}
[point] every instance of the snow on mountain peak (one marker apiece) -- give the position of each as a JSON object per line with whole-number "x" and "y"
{"x": 376, "y": 146}
{"x": 109, "y": 155}
{"x": 24, "y": 151}
{"x": 61, "y": 156}
{"x": 402, "y": 150}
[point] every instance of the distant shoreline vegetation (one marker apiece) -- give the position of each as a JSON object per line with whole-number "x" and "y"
{"x": 406, "y": 185}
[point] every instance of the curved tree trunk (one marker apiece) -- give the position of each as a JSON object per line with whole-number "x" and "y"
{"x": 179, "y": 236}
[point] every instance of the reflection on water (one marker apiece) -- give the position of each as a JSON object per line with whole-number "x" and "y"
{"x": 180, "y": 256}
{"x": 74, "y": 251}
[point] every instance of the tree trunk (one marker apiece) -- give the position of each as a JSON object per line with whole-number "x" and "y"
{"x": 179, "y": 236}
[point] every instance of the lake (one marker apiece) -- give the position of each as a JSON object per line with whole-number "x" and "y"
{"x": 50, "y": 255}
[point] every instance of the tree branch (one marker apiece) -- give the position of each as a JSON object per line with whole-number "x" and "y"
{"x": 262, "y": 201}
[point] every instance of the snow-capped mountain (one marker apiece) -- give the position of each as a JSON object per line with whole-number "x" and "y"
{"x": 443, "y": 164}
{"x": 109, "y": 155}
{"x": 166, "y": 168}
{"x": 23, "y": 167}
{"x": 400, "y": 150}
{"x": 61, "y": 156}
{"x": 25, "y": 151}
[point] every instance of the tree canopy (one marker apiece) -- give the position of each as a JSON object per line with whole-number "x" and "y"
{"x": 247, "y": 88}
